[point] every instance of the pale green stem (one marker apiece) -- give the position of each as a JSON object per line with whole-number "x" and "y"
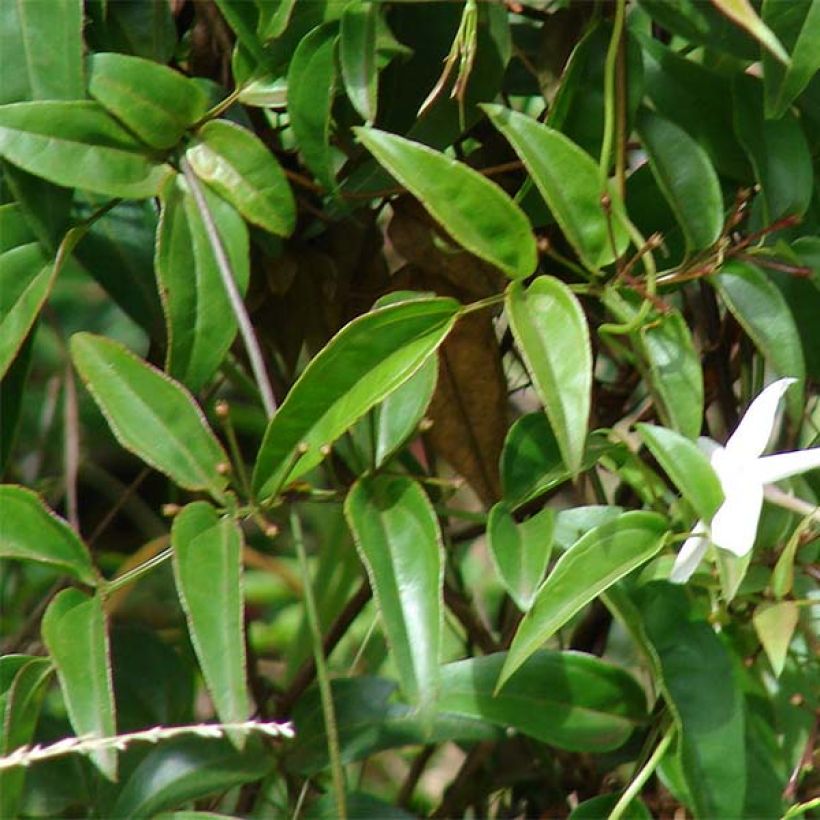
{"x": 609, "y": 91}
{"x": 789, "y": 502}
{"x": 135, "y": 574}
{"x": 322, "y": 676}
{"x": 234, "y": 297}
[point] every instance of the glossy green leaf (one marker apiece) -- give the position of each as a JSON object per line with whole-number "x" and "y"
{"x": 551, "y": 330}
{"x": 199, "y": 319}
{"x": 145, "y": 28}
{"x": 357, "y": 55}
{"x": 239, "y": 168}
{"x": 775, "y": 625}
{"x": 471, "y": 208}
{"x": 20, "y": 710}
{"x": 742, "y": 12}
{"x": 157, "y": 103}
{"x": 207, "y": 570}
{"x": 150, "y": 414}
{"x": 701, "y": 688}
{"x": 568, "y": 179}
{"x": 778, "y": 151}
{"x": 397, "y": 536}
{"x": 78, "y": 145}
{"x": 369, "y": 719}
{"x": 74, "y": 633}
{"x": 30, "y": 531}
{"x": 686, "y": 177}
{"x": 274, "y": 16}
{"x": 520, "y": 551}
{"x": 595, "y": 562}
{"x": 687, "y": 466}
{"x": 571, "y": 524}
{"x": 369, "y": 358}
{"x": 42, "y": 48}
{"x": 565, "y": 699}
{"x": 178, "y": 771}
{"x": 600, "y": 807}
{"x": 799, "y": 22}
{"x": 14, "y": 228}
{"x": 763, "y": 313}
{"x": 311, "y": 87}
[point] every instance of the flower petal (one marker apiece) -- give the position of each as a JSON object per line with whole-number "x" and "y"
{"x": 734, "y": 526}
{"x": 755, "y": 428}
{"x": 690, "y": 555}
{"x": 783, "y": 465}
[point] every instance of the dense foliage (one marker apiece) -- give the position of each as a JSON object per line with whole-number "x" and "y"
{"x": 354, "y": 361}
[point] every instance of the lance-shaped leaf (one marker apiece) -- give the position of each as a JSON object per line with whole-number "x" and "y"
{"x": 590, "y": 566}
{"x": 154, "y": 101}
{"x": 775, "y": 625}
{"x": 74, "y": 633}
{"x": 742, "y": 12}
{"x": 566, "y": 699}
{"x": 397, "y": 536}
{"x": 520, "y": 551}
{"x": 357, "y": 55}
{"x": 569, "y": 180}
{"x": 207, "y": 570}
{"x": 471, "y": 208}
{"x": 368, "y": 359}
{"x": 150, "y": 414}
{"x": 239, "y": 168}
{"x": 686, "y": 177}
{"x": 551, "y": 330}
{"x": 30, "y": 531}
{"x": 200, "y": 321}
{"x": 79, "y": 145}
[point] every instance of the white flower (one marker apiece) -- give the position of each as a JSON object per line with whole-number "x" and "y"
{"x": 743, "y": 473}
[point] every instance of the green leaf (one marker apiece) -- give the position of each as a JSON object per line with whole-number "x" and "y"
{"x": 742, "y": 12}
{"x": 22, "y": 701}
{"x": 775, "y": 625}
{"x": 207, "y": 570}
{"x": 472, "y": 209}
{"x": 150, "y": 414}
{"x": 565, "y": 699}
{"x": 570, "y": 525}
{"x": 551, "y": 330}
{"x": 74, "y": 633}
{"x": 78, "y": 145}
{"x": 700, "y": 686}
{"x": 763, "y": 313}
{"x": 157, "y": 103}
{"x": 14, "y": 227}
{"x": 598, "y": 808}
{"x": 686, "y": 177}
{"x": 12, "y": 393}
{"x": 520, "y": 551}
{"x": 200, "y": 321}
{"x": 239, "y": 168}
{"x": 311, "y": 87}
{"x": 591, "y": 565}
{"x": 30, "y": 531}
{"x": 369, "y": 719}
{"x": 359, "y": 805}
{"x": 357, "y": 55}
{"x": 145, "y": 28}
{"x": 568, "y": 179}
{"x": 189, "y": 768}
{"x": 397, "y": 536}
{"x": 42, "y": 48}
{"x": 362, "y": 364}
{"x": 274, "y": 16}
{"x": 687, "y": 466}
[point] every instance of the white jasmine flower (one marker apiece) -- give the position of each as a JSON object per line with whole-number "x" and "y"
{"x": 743, "y": 472}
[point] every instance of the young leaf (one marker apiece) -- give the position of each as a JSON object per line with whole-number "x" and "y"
{"x": 686, "y": 177}
{"x": 74, "y": 633}
{"x": 30, "y": 531}
{"x": 569, "y": 181}
{"x": 311, "y": 87}
{"x": 367, "y": 359}
{"x": 471, "y": 208}
{"x": 207, "y": 570}
{"x": 565, "y": 699}
{"x": 551, "y": 330}
{"x": 775, "y": 625}
{"x": 520, "y": 551}
{"x": 599, "y": 559}
{"x": 150, "y": 414}
{"x": 397, "y": 536}
{"x": 742, "y": 12}
{"x": 239, "y": 168}
{"x": 78, "y": 145}
{"x": 157, "y": 103}
{"x": 199, "y": 319}
{"x": 357, "y": 53}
